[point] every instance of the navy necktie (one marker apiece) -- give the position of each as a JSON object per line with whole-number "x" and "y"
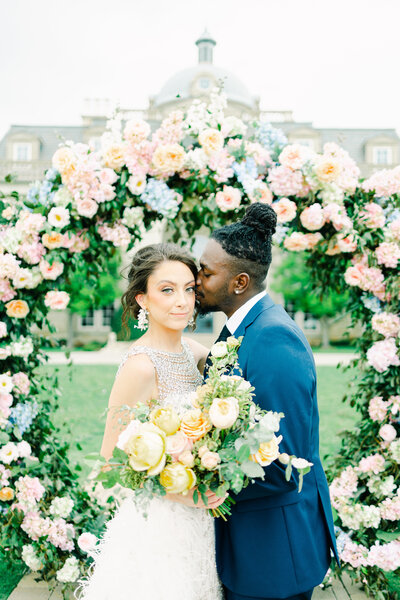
{"x": 223, "y": 336}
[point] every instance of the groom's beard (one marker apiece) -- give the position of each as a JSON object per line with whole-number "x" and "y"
{"x": 205, "y": 310}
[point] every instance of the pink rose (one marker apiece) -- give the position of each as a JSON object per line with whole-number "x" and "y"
{"x": 388, "y": 433}
{"x": 87, "y": 541}
{"x": 21, "y": 383}
{"x": 56, "y": 300}
{"x": 296, "y": 242}
{"x": 312, "y": 217}
{"x": 377, "y": 408}
{"x": 87, "y": 207}
{"x": 294, "y": 156}
{"x": 51, "y": 271}
{"x": 383, "y": 355}
{"x": 388, "y": 254}
{"x": 3, "y": 329}
{"x": 228, "y": 199}
{"x": 108, "y": 192}
{"x": 374, "y": 463}
{"x": 177, "y": 444}
{"x": 372, "y": 216}
{"x": 346, "y": 243}
{"x": 108, "y": 176}
{"x": 387, "y": 324}
{"x": 210, "y": 460}
{"x": 313, "y": 239}
{"x": 285, "y": 182}
{"x": 261, "y": 193}
{"x": 285, "y": 210}
{"x": 187, "y": 459}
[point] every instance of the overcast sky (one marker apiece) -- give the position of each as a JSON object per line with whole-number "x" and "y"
{"x": 335, "y": 63}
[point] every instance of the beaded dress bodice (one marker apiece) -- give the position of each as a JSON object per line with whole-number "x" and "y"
{"x": 177, "y": 373}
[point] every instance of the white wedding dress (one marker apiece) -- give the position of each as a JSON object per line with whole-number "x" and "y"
{"x": 170, "y": 555}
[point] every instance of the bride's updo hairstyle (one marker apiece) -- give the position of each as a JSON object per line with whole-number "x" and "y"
{"x": 144, "y": 262}
{"x": 249, "y": 242}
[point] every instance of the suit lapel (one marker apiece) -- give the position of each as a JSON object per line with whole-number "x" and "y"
{"x": 251, "y": 316}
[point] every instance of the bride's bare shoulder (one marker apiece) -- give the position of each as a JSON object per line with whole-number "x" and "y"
{"x": 200, "y": 352}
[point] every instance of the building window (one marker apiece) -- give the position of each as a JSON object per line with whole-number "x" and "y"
{"x": 107, "y": 315}
{"x": 22, "y": 151}
{"x": 88, "y": 319}
{"x": 382, "y": 155}
{"x": 204, "y": 83}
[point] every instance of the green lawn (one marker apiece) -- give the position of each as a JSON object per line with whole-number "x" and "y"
{"x": 85, "y": 391}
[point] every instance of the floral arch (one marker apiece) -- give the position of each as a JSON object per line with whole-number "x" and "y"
{"x": 198, "y": 169}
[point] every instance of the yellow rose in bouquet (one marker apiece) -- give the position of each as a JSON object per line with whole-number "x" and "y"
{"x": 166, "y": 419}
{"x": 177, "y": 478}
{"x": 146, "y": 449}
{"x": 267, "y": 452}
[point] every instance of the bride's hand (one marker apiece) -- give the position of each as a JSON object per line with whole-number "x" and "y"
{"x": 213, "y": 500}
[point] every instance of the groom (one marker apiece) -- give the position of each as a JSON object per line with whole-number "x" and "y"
{"x": 277, "y": 542}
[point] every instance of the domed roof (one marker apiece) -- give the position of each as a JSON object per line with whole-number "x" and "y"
{"x": 199, "y": 80}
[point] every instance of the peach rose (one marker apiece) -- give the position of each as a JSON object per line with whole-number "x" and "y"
{"x": 285, "y": 210}
{"x": 202, "y": 450}
{"x": 169, "y": 158}
{"x": 87, "y": 541}
{"x": 64, "y": 160}
{"x": 52, "y": 240}
{"x": 355, "y": 275}
{"x": 211, "y": 140}
{"x": 294, "y": 156}
{"x": 87, "y": 207}
{"x": 313, "y": 239}
{"x": 17, "y": 309}
{"x": 113, "y": 156}
{"x": 195, "y": 424}
{"x": 346, "y": 243}
{"x": 296, "y": 242}
{"x": 56, "y": 300}
{"x": 51, "y": 271}
{"x": 267, "y": 452}
{"x": 6, "y": 493}
{"x": 327, "y": 170}
{"x": 210, "y": 460}
{"x": 108, "y": 176}
{"x": 261, "y": 193}
{"x": 228, "y": 199}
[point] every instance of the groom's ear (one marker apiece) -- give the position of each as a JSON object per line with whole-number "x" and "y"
{"x": 240, "y": 283}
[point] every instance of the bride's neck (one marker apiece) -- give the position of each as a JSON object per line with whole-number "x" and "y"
{"x": 162, "y": 338}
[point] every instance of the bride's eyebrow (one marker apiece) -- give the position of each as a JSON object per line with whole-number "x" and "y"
{"x": 172, "y": 282}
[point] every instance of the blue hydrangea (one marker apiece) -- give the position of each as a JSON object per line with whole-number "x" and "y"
{"x": 23, "y": 414}
{"x": 392, "y": 215}
{"x": 270, "y": 137}
{"x": 51, "y": 174}
{"x": 32, "y": 194}
{"x": 280, "y": 233}
{"x": 246, "y": 173}
{"x": 341, "y": 538}
{"x": 372, "y": 303}
{"x": 160, "y": 198}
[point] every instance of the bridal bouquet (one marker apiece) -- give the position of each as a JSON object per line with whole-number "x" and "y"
{"x": 220, "y": 442}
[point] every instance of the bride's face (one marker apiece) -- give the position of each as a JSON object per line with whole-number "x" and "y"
{"x": 170, "y": 295}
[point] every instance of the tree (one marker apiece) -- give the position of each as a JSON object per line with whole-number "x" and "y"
{"x": 292, "y": 279}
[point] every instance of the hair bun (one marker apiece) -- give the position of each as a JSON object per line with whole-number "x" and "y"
{"x": 260, "y": 217}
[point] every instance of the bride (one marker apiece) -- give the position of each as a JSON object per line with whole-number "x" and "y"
{"x": 170, "y": 554}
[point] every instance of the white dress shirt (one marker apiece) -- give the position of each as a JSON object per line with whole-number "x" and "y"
{"x": 234, "y": 321}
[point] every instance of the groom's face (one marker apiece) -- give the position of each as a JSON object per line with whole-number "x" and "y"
{"x": 214, "y": 279}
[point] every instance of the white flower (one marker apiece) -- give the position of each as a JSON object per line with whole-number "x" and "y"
{"x": 11, "y": 239}
{"x": 301, "y": 463}
{"x": 8, "y": 453}
{"x": 224, "y": 412}
{"x": 70, "y": 571}
{"x": 34, "y": 279}
{"x": 219, "y": 349}
{"x": 136, "y": 184}
{"x": 30, "y": 558}
{"x": 233, "y": 126}
{"x": 23, "y": 347}
{"x": 132, "y": 216}
{"x": 6, "y": 384}
{"x": 24, "y": 449}
{"x": 5, "y": 352}
{"x": 127, "y": 433}
{"x": 61, "y": 506}
{"x": 62, "y": 197}
{"x": 58, "y": 217}
{"x": 271, "y": 420}
{"x": 87, "y": 541}
{"x": 196, "y": 159}
{"x": 22, "y": 279}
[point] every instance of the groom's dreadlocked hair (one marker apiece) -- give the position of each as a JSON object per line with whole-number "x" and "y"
{"x": 248, "y": 242}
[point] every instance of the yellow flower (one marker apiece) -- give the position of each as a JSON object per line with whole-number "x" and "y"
{"x": 166, "y": 419}
{"x": 17, "y": 309}
{"x": 177, "y": 479}
{"x": 267, "y": 452}
{"x": 195, "y": 424}
{"x": 6, "y": 494}
{"x": 64, "y": 160}
{"x": 328, "y": 169}
{"x": 113, "y": 156}
{"x": 52, "y": 240}
{"x": 169, "y": 158}
{"x": 211, "y": 140}
{"x": 146, "y": 449}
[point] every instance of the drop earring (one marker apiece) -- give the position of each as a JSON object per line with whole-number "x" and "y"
{"x": 143, "y": 321}
{"x": 191, "y": 323}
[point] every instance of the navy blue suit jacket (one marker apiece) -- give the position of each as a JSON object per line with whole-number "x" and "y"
{"x": 277, "y": 541}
